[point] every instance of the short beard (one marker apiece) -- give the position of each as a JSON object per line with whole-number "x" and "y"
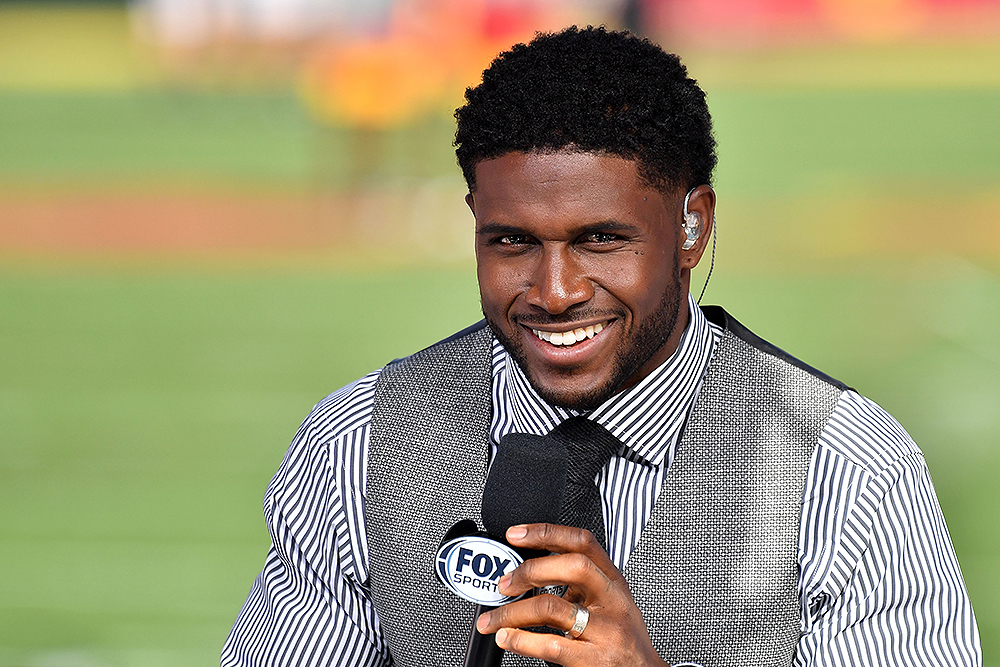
{"x": 652, "y": 334}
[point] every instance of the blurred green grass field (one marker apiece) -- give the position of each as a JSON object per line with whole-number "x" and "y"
{"x": 146, "y": 400}
{"x": 800, "y": 140}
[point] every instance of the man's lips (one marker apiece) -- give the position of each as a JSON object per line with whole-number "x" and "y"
{"x": 569, "y": 335}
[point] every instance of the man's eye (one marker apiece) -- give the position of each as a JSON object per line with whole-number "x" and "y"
{"x": 601, "y": 238}
{"x": 512, "y": 240}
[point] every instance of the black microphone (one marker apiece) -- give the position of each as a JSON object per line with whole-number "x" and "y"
{"x": 526, "y": 484}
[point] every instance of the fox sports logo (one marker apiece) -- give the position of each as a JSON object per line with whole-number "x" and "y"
{"x": 471, "y": 566}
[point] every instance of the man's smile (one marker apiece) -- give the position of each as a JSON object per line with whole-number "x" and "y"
{"x": 568, "y": 337}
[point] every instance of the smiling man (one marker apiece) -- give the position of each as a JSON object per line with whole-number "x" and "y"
{"x": 579, "y": 269}
{"x": 752, "y": 510}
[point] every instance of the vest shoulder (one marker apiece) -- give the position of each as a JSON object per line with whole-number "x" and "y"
{"x": 475, "y": 335}
{"x": 718, "y": 316}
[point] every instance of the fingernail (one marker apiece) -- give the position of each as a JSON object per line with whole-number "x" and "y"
{"x": 516, "y": 532}
{"x": 504, "y": 582}
{"x": 501, "y": 637}
{"x": 483, "y": 622}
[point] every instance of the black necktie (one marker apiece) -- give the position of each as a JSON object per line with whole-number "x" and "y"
{"x": 589, "y": 446}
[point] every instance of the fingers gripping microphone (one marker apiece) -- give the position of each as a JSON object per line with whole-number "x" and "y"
{"x": 526, "y": 484}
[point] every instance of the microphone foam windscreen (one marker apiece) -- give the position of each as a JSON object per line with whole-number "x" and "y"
{"x": 526, "y": 483}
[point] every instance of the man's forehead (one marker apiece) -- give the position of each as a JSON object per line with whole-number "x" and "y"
{"x": 518, "y": 173}
{"x": 545, "y": 164}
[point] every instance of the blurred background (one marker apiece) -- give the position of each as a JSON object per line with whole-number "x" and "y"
{"x": 215, "y": 212}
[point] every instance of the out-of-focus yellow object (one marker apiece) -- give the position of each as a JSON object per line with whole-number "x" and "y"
{"x": 374, "y": 84}
{"x": 876, "y": 20}
{"x": 432, "y": 50}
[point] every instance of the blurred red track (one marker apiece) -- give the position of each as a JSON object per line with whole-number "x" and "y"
{"x": 162, "y": 223}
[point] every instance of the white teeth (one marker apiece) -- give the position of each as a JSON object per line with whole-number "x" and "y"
{"x": 567, "y": 338}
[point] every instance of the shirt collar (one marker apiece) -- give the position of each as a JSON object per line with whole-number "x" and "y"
{"x": 648, "y": 417}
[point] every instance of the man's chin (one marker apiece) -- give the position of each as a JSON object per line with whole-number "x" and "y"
{"x": 568, "y": 395}
{"x": 563, "y": 388}
{"x": 580, "y": 402}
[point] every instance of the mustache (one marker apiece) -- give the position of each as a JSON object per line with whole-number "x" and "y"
{"x": 569, "y": 317}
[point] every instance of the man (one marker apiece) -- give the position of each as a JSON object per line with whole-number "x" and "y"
{"x": 755, "y": 510}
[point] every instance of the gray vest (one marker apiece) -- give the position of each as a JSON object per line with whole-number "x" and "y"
{"x": 715, "y": 573}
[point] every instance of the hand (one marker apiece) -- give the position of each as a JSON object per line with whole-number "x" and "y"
{"x": 616, "y": 632}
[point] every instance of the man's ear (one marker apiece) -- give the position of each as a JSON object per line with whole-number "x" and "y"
{"x": 470, "y": 201}
{"x": 701, "y": 207}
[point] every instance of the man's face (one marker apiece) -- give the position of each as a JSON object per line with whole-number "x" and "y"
{"x": 573, "y": 245}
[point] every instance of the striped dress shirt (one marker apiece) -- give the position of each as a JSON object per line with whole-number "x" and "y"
{"x": 879, "y": 581}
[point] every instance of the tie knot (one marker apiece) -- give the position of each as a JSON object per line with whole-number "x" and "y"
{"x": 589, "y": 446}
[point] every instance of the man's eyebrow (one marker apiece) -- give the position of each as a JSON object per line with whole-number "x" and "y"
{"x": 608, "y": 226}
{"x": 594, "y": 227}
{"x": 500, "y": 228}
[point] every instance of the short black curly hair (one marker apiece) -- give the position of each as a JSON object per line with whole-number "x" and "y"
{"x": 592, "y": 90}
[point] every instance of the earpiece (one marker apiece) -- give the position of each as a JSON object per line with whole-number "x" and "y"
{"x": 692, "y": 224}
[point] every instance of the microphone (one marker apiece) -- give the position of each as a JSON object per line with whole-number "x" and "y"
{"x": 526, "y": 484}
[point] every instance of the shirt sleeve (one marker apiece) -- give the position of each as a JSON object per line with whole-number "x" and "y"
{"x": 310, "y": 605}
{"x": 881, "y": 585}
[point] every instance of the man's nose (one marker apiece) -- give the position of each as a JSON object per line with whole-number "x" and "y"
{"x": 558, "y": 282}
